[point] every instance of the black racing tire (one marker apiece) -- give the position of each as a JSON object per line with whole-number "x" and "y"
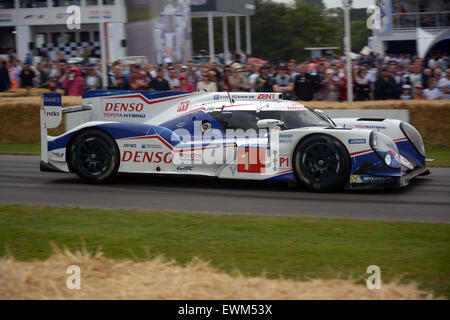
{"x": 321, "y": 163}
{"x": 94, "y": 156}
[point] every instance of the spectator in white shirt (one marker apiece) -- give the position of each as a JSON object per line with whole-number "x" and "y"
{"x": 432, "y": 93}
{"x": 207, "y": 84}
{"x": 444, "y": 85}
{"x": 174, "y": 83}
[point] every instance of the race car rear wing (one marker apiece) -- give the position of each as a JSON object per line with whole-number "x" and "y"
{"x": 51, "y": 116}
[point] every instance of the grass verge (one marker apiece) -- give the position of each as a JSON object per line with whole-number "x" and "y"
{"x": 279, "y": 247}
{"x": 441, "y": 154}
{"x": 26, "y": 148}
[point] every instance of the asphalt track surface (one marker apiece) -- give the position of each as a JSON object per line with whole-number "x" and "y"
{"x": 426, "y": 199}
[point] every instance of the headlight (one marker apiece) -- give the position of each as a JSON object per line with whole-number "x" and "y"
{"x": 385, "y": 148}
{"x": 414, "y": 137}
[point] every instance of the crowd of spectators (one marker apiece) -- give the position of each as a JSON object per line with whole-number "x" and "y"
{"x": 374, "y": 77}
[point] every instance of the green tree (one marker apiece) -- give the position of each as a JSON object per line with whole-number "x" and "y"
{"x": 360, "y": 33}
{"x": 281, "y": 31}
{"x": 315, "y": 3}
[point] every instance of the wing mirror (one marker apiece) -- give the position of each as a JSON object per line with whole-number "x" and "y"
{"x": 269, "y": 123}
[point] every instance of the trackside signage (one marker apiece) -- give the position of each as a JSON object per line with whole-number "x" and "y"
{"x": 51, "y": 102}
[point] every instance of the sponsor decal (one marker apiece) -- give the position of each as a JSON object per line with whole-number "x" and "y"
{"x": 147, "y": 157}
{"x": 216, "y": 97}
{"x": 120, "y": 109}
{"x": 265, "y": 96}
{"x": 365, "y": 126}
{"x": 58, "y": 154}
{"x": 130, "y": 145}
{"x": 150, "y": 146}
{"x": 52, "y": 109}
{"x": 357, "y": 141}
{"x": 183, "y": 155}
{"x": 406, "y": 163}
{"x": 185, "y": 168}
{"x": 295, "y": 107}
{"x": 52, "y": 99}
{"x": 284, "y": 162}
{"x": 183, "y": 106}
{"x": 354, "y": 178}
{"x": 284, "y": 135}
{"x": 52, "y": 113}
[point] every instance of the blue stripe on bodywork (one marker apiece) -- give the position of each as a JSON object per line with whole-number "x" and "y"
{"x": 371, "y": 164}
{"x": 121, "y": 131}
{"x": 60, "y": 142}
{"x": 407, "y": 150}
{"x": 283, "y": 177}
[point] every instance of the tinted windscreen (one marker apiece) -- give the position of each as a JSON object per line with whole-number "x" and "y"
{"x": 248, "y": 119}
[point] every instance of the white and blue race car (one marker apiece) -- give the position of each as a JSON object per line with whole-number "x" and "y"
{"x": 257, "y": 136}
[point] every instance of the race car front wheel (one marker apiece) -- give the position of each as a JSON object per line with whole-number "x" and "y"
{"x": 322, "y": 163}
{"x": 94, "y": 156}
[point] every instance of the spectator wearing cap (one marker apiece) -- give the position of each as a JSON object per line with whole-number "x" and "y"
{"x": 159, "y": 83}
{"x": 73, "y": 82}
{"x": 418, "y": 92}
{"x": 238, "y": 81}
{"x": 184, "y": 84}
{"x": 305, "y": 84}
{"x": 283, "y": 83}
{"x": 432, "y": 92}
{"x": 406, "y": 92}
{"x": 264, "y": 83}
{"x": 385, "y": 86}
{"x": 138, "y": 79}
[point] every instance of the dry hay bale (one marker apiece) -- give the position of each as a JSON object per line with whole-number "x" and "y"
{"x": 430, "y": 117}
{"x": 157, "y": 278}
{"x": 23, "y": 92}
{"x": 20, "y": 118}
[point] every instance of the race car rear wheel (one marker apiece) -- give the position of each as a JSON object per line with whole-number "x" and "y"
{"x": 94, "y": 156}
{"x": 321, "y": 163}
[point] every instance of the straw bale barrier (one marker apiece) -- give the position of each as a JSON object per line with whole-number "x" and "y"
{"x": 157, "y": 278}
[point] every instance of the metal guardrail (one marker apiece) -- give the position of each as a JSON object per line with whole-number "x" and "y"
{"x": 421, "y": 20}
